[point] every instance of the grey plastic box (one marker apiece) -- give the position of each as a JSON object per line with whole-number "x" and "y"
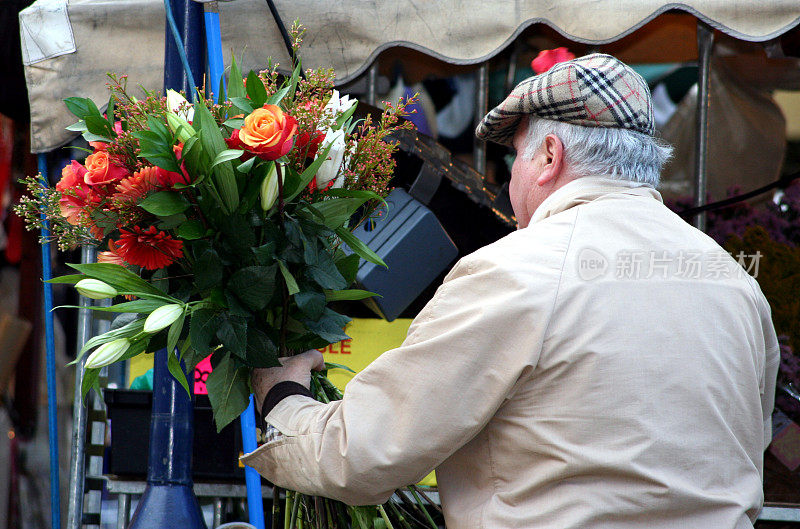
{"x": 413, "y": 244}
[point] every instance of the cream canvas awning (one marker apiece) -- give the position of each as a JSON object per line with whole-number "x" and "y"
{"x": 69, "y": 48}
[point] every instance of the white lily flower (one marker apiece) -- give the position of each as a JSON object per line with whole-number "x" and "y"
{"x": 95, "y": 289}
{"x": 108, "y": 353}
{"x": 178, "y": 105}
{"x": 329, "y": 170}
{"x": 338, "y": 105}
{"x": 162, "y": 317}
{"x": 269, "y": 188}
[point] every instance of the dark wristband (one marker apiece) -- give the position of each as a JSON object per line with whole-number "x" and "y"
{"x": 280, "y": 391}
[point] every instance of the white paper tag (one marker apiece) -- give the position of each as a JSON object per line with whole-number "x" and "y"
{"x": 45, "y": 31}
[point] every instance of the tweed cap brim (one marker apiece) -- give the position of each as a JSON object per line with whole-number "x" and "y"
{"x": 596, "y": 90}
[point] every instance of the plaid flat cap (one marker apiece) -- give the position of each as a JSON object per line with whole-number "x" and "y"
{"x": 596, "y": 90}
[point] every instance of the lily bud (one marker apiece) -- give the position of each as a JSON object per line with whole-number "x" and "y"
{"x": 180, "y": 126}
{"x": 269, "y": 188}
{"x": 108, "y": 353}
{"x": 177, "y": 104}
{"x": 162, "y": 317}
{"x": 95, "y": 289}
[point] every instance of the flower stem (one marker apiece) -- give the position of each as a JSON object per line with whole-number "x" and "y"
{"x": 385, "y": 517}
{"x": 421, "y": 506}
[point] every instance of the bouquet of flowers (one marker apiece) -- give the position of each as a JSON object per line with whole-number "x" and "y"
{"x": 226, "y": 226}
{"x": 226, "y": 230}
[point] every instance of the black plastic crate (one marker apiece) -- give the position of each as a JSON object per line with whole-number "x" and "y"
{"x": 215, "y": 455}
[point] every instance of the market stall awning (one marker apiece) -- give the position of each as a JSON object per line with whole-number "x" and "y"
{"x": 68, "y": 49}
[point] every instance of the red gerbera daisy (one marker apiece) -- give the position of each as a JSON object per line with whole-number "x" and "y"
{"x": 111, "y": 256}
{"x": 134, "y": 188}
{"x": 151, "y": 249}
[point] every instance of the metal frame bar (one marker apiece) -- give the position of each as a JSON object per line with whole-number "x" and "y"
{"x": 481, "y": 108}
{"x": 705, "y": 43}
{"x": 77, "y": 465}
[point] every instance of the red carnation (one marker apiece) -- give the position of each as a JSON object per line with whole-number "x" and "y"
{"x": 151, "y": 249}
{"x": 166, "y": 178}
{"x": 312, "y": 141}
{"x": 549, "y": 58}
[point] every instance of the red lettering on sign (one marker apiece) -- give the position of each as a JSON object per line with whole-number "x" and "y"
{"x": 344, "y": 346}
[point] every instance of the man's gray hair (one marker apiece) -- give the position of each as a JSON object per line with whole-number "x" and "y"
{"x": 603, "y": 151}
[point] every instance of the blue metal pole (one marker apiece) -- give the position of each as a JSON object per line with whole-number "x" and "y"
{"x": 255, "y": 504}
{"x": 168, "y": 499}
{"x": 50, "y": 351}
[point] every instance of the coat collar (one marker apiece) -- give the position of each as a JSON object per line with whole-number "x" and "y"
{"x": 586, "y": 189}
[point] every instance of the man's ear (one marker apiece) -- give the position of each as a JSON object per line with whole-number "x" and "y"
{"x": 554, "y": 160}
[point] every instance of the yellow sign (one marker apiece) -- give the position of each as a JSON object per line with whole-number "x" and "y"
{"x": 370, "y": 337}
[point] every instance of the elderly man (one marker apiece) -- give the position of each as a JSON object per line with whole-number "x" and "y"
{"x": 605, "y": 366}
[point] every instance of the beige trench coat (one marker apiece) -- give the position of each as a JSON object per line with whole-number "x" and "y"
{"x": 609, "y": 366}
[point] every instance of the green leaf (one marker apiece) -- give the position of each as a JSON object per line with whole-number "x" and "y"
{"x": 138, "y": 306}
{"x": 235, "y": 81}
{"x": 90, "y": 380}
{"x": 208, "y": 271}
{"x": 307, "y": 175}
{"x": 322, "y": 270}
{"x": 226, "y": 155}
{"x": 261, "y": 351}
{"x": 99, "y": 125}
{"x": 138, "y": 346}
{"x": 331, "y": 365}
{"x": 213, "y": 143}
{"x": 126, "y": 331}
{"x": 356, "y": 193}
{"x": 330, "y": 326}
{"x": 337, "y": 211}
{"x": 291, "y": 284}
{"x": 359, "y": 247}
{"x": 171, "y": 221}
{"x": 243, "y": 104}
{"x": 245, "y": 167}
{"x": 349, "y": 295}
{"x": 265, "y": 254}
{"x": 228, "y": 391}
{"x": 340, "y": 121}
{"x": 80, "y": 126}
{"x": 255, "y": 90}
{"x": 254, "y": 285}
{"x": 278, "y": 96}
{"x": 232, "y": 332}
{"x": 191, "y": 230}
{"x": 174, "y": 366}
{"x": 164, "y": 203}
{"x": 174, "y": 332}
{"x": 348, "y": 266}
{"x": 110, "y": 115}
{"x": 81, "y": 107}
{"x": 67, "y": 279}
{"x": 120, "y": 278}
{"x": 202, "y": 329}
{"x": 311, "y": 303}
{"x": 234, "y": 123}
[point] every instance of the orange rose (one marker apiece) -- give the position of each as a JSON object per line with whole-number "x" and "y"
{"x": 100, "y": 169}
{"x": 268, "y": 132}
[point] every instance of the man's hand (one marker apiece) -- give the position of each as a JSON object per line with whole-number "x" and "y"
{"x": 295, "y": 369}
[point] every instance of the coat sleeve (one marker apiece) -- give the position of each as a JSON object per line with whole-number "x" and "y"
{"x": 414, "y": 406}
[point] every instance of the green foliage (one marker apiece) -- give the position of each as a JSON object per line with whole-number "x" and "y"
{"x": 164, "y": 204}
{"x": 228, "y": 389}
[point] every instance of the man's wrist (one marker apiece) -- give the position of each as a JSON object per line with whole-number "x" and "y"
{"x": 280, "y": 391}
